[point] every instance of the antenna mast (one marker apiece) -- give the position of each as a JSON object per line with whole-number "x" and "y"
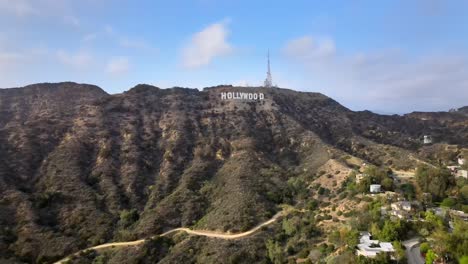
{"x": 269, "y": 80}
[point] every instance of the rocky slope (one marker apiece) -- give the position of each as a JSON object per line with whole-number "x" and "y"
{"x": 80, "y": 167}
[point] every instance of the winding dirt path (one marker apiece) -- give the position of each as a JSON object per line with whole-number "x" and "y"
{"x": 205, "y": 233}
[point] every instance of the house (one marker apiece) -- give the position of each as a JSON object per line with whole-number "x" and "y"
{"x": 458, "y": 172}
{"x": 459, "y": 214}
{"x": 359, "y": 177}
{"x": 438, "y": 211}
{"x": 375, "y": 188}
{"x": 461, "y": 160}
{"x": 401, "y": 209}
{"x": 401, "y": 205}
{"x": 370, "y": 248}
{"x": 462, "y": 173}
{"x": 399, "y": 213}
{"x": 427, "y": 139}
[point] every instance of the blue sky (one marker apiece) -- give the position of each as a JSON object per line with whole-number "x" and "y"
{"x": 387, "y": 56}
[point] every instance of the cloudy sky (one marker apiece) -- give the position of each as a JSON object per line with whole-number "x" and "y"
{"x": 387, "y": 56}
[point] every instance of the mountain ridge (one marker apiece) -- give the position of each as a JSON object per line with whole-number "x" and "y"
{"x": 82, "y": 167}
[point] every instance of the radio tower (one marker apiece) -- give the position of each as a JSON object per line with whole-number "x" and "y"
{"x": 269, "y": 80}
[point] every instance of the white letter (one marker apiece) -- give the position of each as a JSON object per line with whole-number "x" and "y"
{"x": 223, "y": 96}
{"x": 262, "y": 96}
{"x": 255, "y": 96}
{"x": 250, "y": 96}
{"x": 229, "y": 95}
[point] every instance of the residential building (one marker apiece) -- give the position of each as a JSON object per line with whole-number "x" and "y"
{"x": 370, "y": 248}
{"x": 401, "y": 205}
{"x": 375, "y": 188}
{"x": 438, "y": 211}
{"x": 461, "y": 160}
{"x": 359, "y": 177}
{"x": 401, "y": 209}
{"x": 462, "y": 173}
{"x": 460, "y": 214}
{"x": 427, "y": 139}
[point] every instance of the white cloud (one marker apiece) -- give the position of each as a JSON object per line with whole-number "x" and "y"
{"x": 72, "y": 20}
{"x": 133, "y": 44}
{"x": 109, "y": 29}
{"x": 206, "y": 45}
{"x": 79, "y": 60}
{"x": 17, "y": 7}
{"x": 309, "y": 48}
{"x": 7, "y": 60}
{"x": 387, "y": 80}
{"x": 62, "y": 10}
{"x": 89, "y": 37}
{"x": 117, "y": 66}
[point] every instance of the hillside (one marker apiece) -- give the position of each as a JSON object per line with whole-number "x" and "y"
{"x": 81, "y": 167}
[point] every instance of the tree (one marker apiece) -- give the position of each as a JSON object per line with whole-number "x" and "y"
{"x": 128, "y": 217}
{"x": 463, "y": 260}
{"x": 297, "y": 186}
{"x": 275, "y": 252}
{"x": 408, "y": 191}
{"x": 399, "y": 252}
{"x": 375, "y": 229}
{"x": 430, "y": 257}
{"x": 456, "y": 243}
{"x": 435, "y": 181}
{"x": 352, "y": 238}
{"x": 464, "y": 192}
{"x": 424, "y": 247}
{"x": 387, "y": 184}
{"x": 364, "y": 184}
{"x": 433, "y": 220}
{"x": 290, "y": 225}
{"x": 375, "y": 175}
{"x": 345, "y": 236}
{"x": 312, "y": 204}
{"x": 389, "y": 231}
{"x": 448, "y": 202}
{"x": 101, "y": 259}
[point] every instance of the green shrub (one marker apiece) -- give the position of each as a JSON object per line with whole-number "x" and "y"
{"x": 424, "y": 247}
{"x": 128, "y": 217}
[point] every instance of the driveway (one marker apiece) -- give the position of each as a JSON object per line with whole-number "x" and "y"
{"x": 413, "y": 254}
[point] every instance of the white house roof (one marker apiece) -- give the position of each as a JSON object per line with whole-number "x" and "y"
{"x": 370, "y": 248}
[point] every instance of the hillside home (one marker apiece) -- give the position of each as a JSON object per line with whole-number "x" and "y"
{"x": 458, "y": 172}
{"x": 461, "y": 160}
{"x": 459, "y": 214}
{"x": 370, "y": 248}
{"x": 401, "y": 205}
{"x": 427, "y": 139}
{"x": 438, "y": 211}
{"x": 462, "y": 173}
{"x": 375, "y": 188}
{"x": 359, "y": 177}
{"x": 401, "y": 209}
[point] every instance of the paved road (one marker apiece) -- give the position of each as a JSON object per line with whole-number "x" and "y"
{"x": 205, "y": 233}
{"x": 413, "y": 254}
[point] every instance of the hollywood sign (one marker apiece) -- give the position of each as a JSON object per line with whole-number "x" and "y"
{"x": 242, "y": 96}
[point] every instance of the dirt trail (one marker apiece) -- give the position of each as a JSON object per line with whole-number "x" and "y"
{"x": 205, "y": 233}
